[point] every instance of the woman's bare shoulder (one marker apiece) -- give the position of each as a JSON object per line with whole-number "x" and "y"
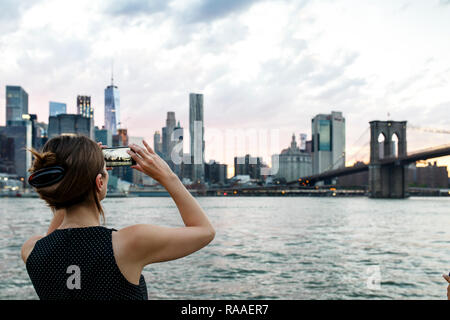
{"x": 132, "y": 242}
{"x": 28, "y": 246}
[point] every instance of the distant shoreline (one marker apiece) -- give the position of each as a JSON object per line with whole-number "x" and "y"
{"x": 330, "y": 194}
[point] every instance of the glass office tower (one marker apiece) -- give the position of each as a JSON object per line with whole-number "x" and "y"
{"x": 56, "y": 108}
{"x": 16, "y": 104}
{"x": 328, "y": 142}
{"x": 112, "y": 108}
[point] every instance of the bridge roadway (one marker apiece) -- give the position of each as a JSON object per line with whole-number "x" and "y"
{"x": 424, "y": 154}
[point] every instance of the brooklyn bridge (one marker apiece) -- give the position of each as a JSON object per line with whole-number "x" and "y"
{"x": 387, "y": 173}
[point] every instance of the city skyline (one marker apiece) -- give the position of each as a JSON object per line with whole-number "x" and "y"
{"x": 273, "y": 75}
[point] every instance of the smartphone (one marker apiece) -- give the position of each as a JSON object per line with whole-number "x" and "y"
{"x": 117, "y": 157}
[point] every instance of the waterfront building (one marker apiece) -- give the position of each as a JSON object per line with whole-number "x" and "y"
{"x": 216, "y": 173}
{"x": 248, "y": 165}
{"x": 7, "y": 152}
{"x": 16, "y": 105}
{"x": 430, "y": 176}
{"x": 18, "y": 137}
{"x": 293, "y": 162}
{"x": 328, "y": 142}
{"x": 36, "y": 130}
{"x": 70, "y": 124}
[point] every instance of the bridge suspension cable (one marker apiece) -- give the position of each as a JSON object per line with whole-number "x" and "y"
{"x": 357, "y": 141}
{"x": 330, "y": 167}
{"x": 361, "y": 149}
{"x": 431, "y": 130}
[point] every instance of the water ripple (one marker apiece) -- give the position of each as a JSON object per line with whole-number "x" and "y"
{"x": 268, "y": 248}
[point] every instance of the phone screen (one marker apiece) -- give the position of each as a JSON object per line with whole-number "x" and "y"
{"x": 117, "y": 157}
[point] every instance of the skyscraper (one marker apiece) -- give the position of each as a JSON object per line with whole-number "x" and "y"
{"x": 328, "y": 142}
{"x": 56, "y": 108}
{"x": 157, "y": 145}
{"x": 21, "y": 136}
{"x": 167, "y": 143}
{"x": 84, "y": 106}
{"x": 196, "y": 132}
{"x": 112, "y": 108}
{"x": 172, "y": 143}
{"x": 7, "y": 163}
{"x": 177, "y": 148}
{"x": 16, "y": 104}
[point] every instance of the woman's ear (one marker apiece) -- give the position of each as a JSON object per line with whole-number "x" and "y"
{"x": 99, "y": 182}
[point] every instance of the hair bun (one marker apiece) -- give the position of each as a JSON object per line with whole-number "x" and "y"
{"x": 42, "y": 160}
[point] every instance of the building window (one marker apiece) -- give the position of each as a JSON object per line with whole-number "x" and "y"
{"x": 324, "y": 135}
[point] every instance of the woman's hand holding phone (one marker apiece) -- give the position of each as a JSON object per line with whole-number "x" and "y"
{"x": 148, "y": 162}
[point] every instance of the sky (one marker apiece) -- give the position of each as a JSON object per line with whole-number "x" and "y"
{"x": 263, "y": 66}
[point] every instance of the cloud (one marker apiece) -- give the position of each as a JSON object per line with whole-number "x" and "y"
{"x": 11, "y": 12}
{"x": 132, "y": 8}
{"x": 333, "y": 71}
{"x": 342, "y": 88}
{"x": 209, "y": 10}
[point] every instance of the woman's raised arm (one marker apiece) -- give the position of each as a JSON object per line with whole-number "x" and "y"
{"x": 149, "y": 243}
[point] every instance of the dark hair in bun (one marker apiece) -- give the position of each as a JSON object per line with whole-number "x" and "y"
{"x": 82, "y": 160}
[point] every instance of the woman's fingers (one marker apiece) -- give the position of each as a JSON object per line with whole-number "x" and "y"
{"x": 140, "y": 151}
{"x": 137, "y": 167}
{"x": 446, "y": 277}
{"x": 101, "y": 145}
{"x": 150, "y": 150}
{"x": 136, "y": 158}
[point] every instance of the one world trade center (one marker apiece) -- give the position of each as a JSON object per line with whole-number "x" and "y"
{"x": 112, "y": 108}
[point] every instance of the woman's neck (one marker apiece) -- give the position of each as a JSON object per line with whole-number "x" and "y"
{"x": 81, "y": 215}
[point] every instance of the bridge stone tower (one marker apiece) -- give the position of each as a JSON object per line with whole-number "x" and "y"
{"x": 387, "y": 180}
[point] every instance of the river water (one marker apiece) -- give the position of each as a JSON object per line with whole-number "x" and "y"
{"x": 272, "y": 247}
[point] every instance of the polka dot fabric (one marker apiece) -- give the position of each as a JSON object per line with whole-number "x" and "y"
{"x": 90, "y": 249}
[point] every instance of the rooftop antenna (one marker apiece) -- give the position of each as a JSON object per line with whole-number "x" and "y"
{"x": 112, "y": 73}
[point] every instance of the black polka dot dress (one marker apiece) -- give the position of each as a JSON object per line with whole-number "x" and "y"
{"x": 79, "y": 263}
